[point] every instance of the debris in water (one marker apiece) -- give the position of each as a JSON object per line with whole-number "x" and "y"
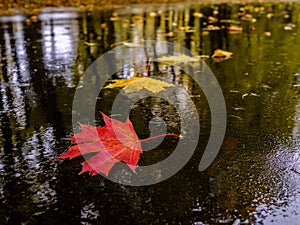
{"x": 295, "y": 171}
{"x": 236, "y": 117}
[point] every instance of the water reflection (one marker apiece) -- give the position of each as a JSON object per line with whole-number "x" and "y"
{"x": 255, "y": 177}
{"x": 60, "y": 42}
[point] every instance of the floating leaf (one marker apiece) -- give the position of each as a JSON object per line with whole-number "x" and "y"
{"x": 132, "y": 45}
{"x": 212, "y": 27}
{"x": 181, "y": 59}
{"x": 187, "y": 29}
{"x": 289, "y": 26}
{"x": 220, "y": 55}
{"x": 115, "y": 142}
{"x": 136, "y": 84}
{"x": 198, "y": 14}
{"x": 90, "y": 43}
{"x": 234, "y": 29}
{"x": 152, "y": 14}
{"x": 114, "y": 17}
{"x": 212, "y": 19}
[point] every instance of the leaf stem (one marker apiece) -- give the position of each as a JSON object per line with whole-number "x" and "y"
{"x": 158, "y": 136}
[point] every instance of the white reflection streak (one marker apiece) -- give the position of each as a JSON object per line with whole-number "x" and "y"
{"x": 286, "y": 163}
{"x": 134, "y": 54}
{"x": 21, "y": 54}
{"x": 60, "y": 42}
{"x": 19, "y": 99}
{"x": 296, "y": 131}
{"x": 35, "y": 150}
{"x": 42, "y": 140}
{"x": 296, "y": 136}
{"x": 12, "y": 73}
{"x": 8, "y": 53}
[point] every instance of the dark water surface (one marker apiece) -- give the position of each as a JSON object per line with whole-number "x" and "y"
{"x": 256, "y": 176}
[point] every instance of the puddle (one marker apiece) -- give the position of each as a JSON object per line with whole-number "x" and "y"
{"x": 256, "y": 175}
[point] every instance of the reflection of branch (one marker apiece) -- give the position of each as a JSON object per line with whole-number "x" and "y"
{"x": 148, "y": 67}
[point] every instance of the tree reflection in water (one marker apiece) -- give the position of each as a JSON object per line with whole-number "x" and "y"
{"x": 252, "y": 178}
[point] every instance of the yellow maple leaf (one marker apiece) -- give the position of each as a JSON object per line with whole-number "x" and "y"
{"x": 178, "y": 59}
{"x": 136, "y": 84}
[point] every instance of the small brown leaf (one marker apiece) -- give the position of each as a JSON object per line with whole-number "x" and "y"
{"x": 235, "y": 29}
{"x": 220, "y": 55}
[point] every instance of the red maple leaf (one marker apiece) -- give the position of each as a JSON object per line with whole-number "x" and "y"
{"x": 115, "y": 142}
